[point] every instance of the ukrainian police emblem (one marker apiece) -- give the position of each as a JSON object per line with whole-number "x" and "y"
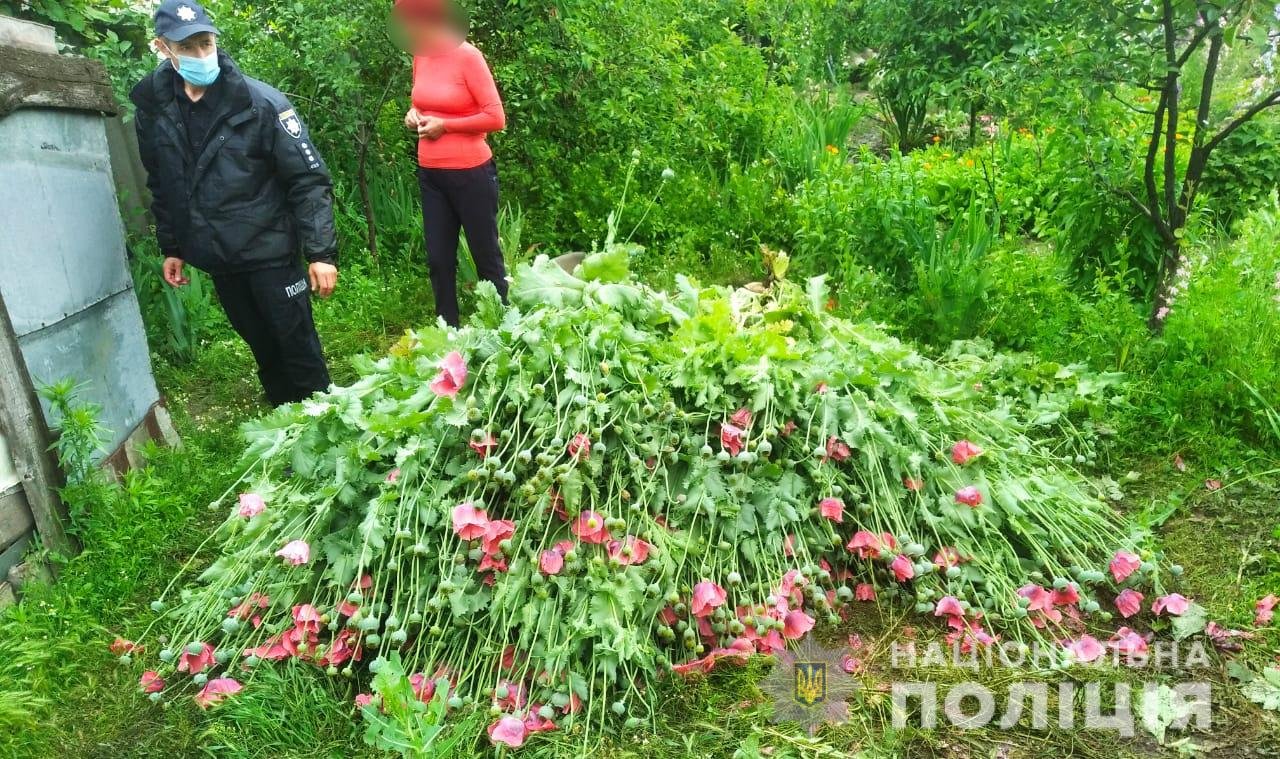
{"x": 289, "y": 120}
{"x": 809, "y": 685}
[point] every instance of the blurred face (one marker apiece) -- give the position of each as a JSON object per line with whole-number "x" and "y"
{"x": 200, "y": 45}
{"x": 423, "y": 26}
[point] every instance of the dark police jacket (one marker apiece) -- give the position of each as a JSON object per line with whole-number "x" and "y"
{"x": 258, "y": 193}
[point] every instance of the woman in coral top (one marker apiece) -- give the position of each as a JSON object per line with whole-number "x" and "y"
{"x": 455, "y": 106}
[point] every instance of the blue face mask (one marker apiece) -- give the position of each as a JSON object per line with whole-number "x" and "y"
{"x": 200, "y": 72}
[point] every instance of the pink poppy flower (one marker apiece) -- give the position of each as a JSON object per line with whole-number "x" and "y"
{"x": 1127, "y": 641}
{"x": 1225, "y": 640}
{"x": 1041, "y": 599}
{"x": 796, "y": 624}
{"x": 913, "y": 484}
{"x": 637, "y": 550}
{"x": 837, "y": 449}
{"x": 120, "y": 647}
{"x": 1124, "y": 564}
{"x": 495, "y": 532}
{"x": 551, "y": 562}
{"x": 534, "y": 722}
{"x": 948, "y": 606}
{"x": 970, "y": 496}
{"x": 963, "y": 451}
{"x": 1174, "y": 603}
{"x": 832, "y": 508}
{"x": 295, "y": 552}
{"x": 850, "y": 664}
{"x": 741, "y": 418}
{"x": 789, "y": 545}
{"x": 589, "y": 528}
{"x": 788, "y": 429}
{"x": 865, "y": 591}
{"x": 865, "y": 544}
{"x": 1067, "y": 596}
{"x": 1086, "y": 649}
{"x": 1129, "y": 602}
{"x": 196, "y": 663}
{"x": 580, "y": 447}
{"x": 215, "y": 691}
{"x": 731, "y": 438}
{"x": 151, "y": 682}
{"x": 1213, "y": 485}
{"x": 902, "y": 568}
{"x": 947, "y": 557}
{"x": 424, "y": 689}
{"x": 494, "y": 562}
{"x": 251, "y": 505}
{"x": 468, "y": 521}
{"x": 452, "y": 376}
{"x": 393, "y": 476}
{"x": 363, "y": 700}
{"x": 306, "y": 618}
{"x": 1264, "y": 609}
{"x": 707, "y": 596}
{"x": 247, "y": 609}
{"x": 484, "y": 446}
{"x": 508, "y": 730}
{"x": 821, "y": 388}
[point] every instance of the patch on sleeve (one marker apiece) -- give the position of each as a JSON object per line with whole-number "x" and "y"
{"x": 291, "y": 123}
{"x": 309, "y": 156}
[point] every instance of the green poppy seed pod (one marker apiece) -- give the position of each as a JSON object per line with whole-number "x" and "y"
{"x": 1092, "y": 607}
{"x": 820, "y": 452}
{"x": 157, "y": 606}
{"x": 377, "y": 664}
{"x": 953, "y": 572}
{"x": 1060, "y": 583}
{"x": 332, "y": 671}
{"x": 230, "y": 625}
{"x": 252, "y": 661}
{"x": 844, "y": 593}
{"x": 200, "y": 679}
{"x": 355, "y": 597}
{"x": 195, "y": 648}
{"x": 126, "y": 659}
{"x": 222, "y": 657}
{"x": 1176, "y": 570}
{"x": 155, "y": 698}
{"x": 723, "y": 457}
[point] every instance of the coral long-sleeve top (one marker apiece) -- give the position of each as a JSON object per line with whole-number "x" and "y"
{"x": 457, "y": 86}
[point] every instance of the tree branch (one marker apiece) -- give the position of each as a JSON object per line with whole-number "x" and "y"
{"x": 1270, "y": 100}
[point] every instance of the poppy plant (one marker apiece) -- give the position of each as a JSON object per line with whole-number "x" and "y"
{"x": 151, "y": 682}
{"x": 1129, "y": 602}
{"x": 251, "y": 505}
{"x": 832, "y": 508}
{"x": 630, "y": 550}
{"x": 948, "y": 606}
{"x": 731, "y": 438}
{"x": 509, "y": 731}
{"x": 485, "y": 445}
{"x": 1124, "y": 564}
{"x": 707, "y": 596}
{"x": 120, "y": 646}
{"x": 1085, "y": 649}
{"x": 215, "y": 691}
{"x": 741, "y": 418}
{"x": 452, "y": 376}
{"x": 969, "y": 496}
{"x": 589, "y": 528}
{"x": 295, "y": 553}
{"x": 864, "y": 592}
{"x": 469, "y": 522}
{"x": 913, "y": 484}
{"x": 963, "y": 451}
{"x": 579, "y": 447}
{"x": 1174, "y": 603}
{"x": 838, "y": 450}
{"x": 902, "y": 568}
{"x": 197, "y": 662}
{"x": 1264, "y": 609}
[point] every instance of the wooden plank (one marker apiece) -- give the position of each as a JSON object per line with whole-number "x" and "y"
{"x": 15, "y": 517}
{"x": 22, "y": 423}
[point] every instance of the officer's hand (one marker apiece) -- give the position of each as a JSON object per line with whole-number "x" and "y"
{"x": 324, "y": 277}
{"x": 173, "y": 272}
{"x": 431, "y": 128}
{"x": 412, "y": 119}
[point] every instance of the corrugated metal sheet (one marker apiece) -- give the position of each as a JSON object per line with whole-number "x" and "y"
{"x": 63, "y": 270}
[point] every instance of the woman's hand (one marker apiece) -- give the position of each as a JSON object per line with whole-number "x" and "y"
{"x": 412, "y": 120}
{"x": 430, "y": 127}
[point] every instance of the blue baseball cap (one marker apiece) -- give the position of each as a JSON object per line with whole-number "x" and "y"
{"x": 178, "y": 19}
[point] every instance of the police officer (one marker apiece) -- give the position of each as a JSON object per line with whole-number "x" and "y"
{"x": 239, "y": 191}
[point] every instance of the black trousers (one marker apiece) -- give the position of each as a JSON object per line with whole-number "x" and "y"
{"x": 271, "y": 310}
{"x": 456, "y": 200}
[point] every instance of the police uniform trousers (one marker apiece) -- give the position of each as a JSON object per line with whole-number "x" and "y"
{"x": 271, "y": 309}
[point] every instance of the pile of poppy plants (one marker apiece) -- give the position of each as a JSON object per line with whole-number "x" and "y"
{"x": 535, "y": 517}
